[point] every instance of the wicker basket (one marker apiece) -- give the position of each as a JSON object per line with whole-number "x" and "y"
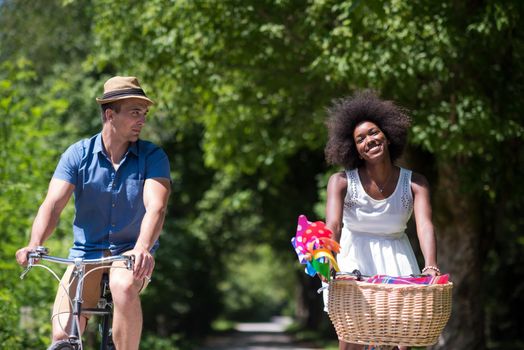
{"x": 388, "y": 314}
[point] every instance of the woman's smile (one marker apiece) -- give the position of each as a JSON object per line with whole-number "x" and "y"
{"x": 369, "y": 140}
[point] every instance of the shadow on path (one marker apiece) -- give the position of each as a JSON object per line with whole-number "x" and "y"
{"x": 257, "y": 336}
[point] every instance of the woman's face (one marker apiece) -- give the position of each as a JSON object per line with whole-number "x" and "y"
{"x": 370, "y": 141}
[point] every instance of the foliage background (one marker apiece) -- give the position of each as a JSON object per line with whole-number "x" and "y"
{"x": 241, "y": 90}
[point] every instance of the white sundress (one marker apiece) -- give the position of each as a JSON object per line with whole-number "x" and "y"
{"x": 373, "y": 238}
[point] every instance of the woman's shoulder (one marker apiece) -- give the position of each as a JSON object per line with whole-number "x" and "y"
{"x": 418, "y": 180}
{"x": 338, "y": 181}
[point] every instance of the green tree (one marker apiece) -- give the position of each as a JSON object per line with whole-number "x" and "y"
{"x": 28, "y": 153}
{"x": 39, "y": 43}
{"x": 48, "y": 33}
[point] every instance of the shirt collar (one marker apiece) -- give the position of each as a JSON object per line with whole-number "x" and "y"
{"x": 133, "y": 148}
{"x": 98, "y": 144}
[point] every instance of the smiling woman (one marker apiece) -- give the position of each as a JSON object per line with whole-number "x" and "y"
{"x": 370, "y": 202}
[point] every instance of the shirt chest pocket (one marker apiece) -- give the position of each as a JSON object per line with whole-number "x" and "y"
{"x": 134, "y": 190}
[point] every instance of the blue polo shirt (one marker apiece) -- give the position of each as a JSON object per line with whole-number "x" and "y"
{"x": 109, "y": 203}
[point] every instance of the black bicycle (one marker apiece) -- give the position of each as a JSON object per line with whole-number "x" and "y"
{"x": 104, "y": 307}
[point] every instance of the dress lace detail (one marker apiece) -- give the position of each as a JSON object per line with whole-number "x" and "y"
{"x": 351, "y": 195}
{"x": 406, "y": 197}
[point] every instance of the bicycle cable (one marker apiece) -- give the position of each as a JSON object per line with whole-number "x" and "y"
{"x": 76, "y": 319}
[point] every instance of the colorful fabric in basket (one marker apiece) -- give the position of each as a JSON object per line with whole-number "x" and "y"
{"x": 422, "y": 279}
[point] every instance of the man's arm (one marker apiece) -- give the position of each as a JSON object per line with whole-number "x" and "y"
{"x": 46, "y": 220}
{"x": 156, "y": 194}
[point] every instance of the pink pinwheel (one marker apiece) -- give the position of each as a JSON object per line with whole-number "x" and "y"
{"x": 313, "y": 247}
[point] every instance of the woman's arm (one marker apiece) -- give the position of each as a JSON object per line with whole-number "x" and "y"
{"x": 424, "y": 223}
{"x": 336, "y": 191}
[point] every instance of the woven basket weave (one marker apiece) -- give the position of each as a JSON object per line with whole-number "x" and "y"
{"x": 389, "y": 314}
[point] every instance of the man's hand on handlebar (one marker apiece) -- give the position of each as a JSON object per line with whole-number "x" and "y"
{"x": 22, "y": 255}
{"x": 144, "y": 262}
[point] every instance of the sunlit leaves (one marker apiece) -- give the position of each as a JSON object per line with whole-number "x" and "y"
{"x": 465, "y": 127}
{"x": 28, "y": 154}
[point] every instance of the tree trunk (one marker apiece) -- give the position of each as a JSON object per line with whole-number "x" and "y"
{"x": 456, "y": 218}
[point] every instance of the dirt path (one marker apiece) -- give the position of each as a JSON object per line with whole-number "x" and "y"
{"x": 257, "y": 336}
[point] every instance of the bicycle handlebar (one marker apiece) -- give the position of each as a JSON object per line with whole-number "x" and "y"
{"x": 81, "y": 261}
{"x": 41, "y": 253}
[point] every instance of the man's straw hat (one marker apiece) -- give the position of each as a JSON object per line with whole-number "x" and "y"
{"x": 119, "y": 88}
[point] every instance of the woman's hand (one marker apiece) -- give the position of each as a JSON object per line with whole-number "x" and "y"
{"x": 431, "y": 270}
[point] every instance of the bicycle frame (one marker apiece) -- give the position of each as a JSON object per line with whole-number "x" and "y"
{"x": 41, "y": 253}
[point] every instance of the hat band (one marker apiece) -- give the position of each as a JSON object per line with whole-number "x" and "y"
{"x": 124, "y": 92}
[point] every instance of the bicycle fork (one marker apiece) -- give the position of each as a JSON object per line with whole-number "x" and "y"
{"x": 74, "y": 337}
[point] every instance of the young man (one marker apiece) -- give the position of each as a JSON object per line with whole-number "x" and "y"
{"x": 121, "y": 186}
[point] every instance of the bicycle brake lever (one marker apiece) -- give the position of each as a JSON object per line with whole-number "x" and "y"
{"x": 130, "y": 262}
{"x": 25, "y": 272}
